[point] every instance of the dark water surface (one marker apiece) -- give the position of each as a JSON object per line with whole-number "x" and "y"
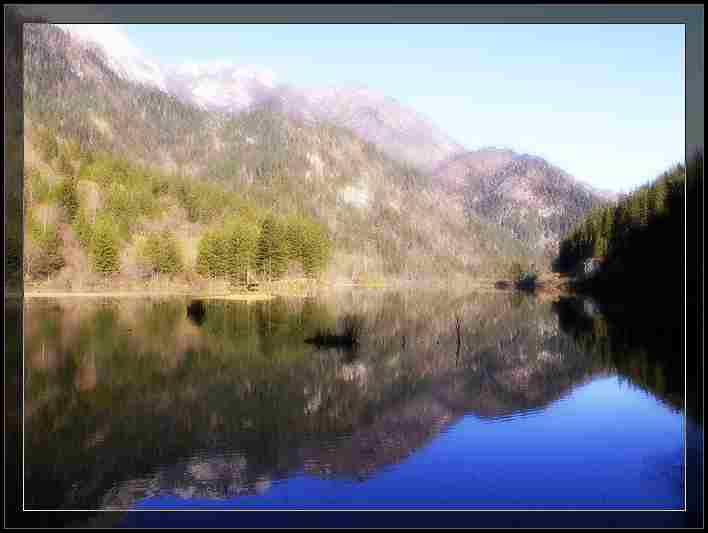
{"x": 147, "y": 404}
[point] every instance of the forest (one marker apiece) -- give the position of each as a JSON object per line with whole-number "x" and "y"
{"x": 105, "y": 200}
{"x": 639, "y": 240}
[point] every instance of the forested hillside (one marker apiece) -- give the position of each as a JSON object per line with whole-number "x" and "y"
{"x": 646, "y": 275}
{"x": 639, "y": 240}
{"x": 124, "y": 179}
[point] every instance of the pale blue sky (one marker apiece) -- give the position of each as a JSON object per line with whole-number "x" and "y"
{"x": 604, "y": 102}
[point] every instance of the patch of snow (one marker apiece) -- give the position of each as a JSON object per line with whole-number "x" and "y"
{"x": 222, "y": 84}
{"x": 208, "y": 93}
{"x": 358, "y": 196}
{"x": 122, "y": 56}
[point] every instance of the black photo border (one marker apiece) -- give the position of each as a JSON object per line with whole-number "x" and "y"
{"x": 14, "y": 15}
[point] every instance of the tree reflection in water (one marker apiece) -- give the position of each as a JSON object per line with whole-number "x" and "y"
{"x": 127, "y": 399}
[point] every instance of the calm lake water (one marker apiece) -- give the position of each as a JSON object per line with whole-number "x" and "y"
{"x": 142, "y": 404}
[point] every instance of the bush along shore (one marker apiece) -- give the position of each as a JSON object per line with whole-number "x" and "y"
{"x": 531, "y": 280}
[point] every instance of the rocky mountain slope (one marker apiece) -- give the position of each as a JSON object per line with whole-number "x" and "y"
{"x": 536, "y": 201}
{"x": 397, "y": 130}
{"x": 384, "y": 217}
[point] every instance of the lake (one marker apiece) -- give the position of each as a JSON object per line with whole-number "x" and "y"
{"x": 489, "y": 400}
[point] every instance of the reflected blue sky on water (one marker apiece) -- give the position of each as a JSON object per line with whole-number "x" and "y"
{"x": 587, "y": 450}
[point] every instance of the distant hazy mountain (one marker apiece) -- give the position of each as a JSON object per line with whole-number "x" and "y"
{"x": 221, "y": 86}
{"x": 453, "y": 172}
{"x": 536, "y": 201}
{"x": 397, "y": 130}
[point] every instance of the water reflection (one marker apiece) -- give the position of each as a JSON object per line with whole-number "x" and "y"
{"x": 644, "y": 348}
{"x": 132, "y": 399}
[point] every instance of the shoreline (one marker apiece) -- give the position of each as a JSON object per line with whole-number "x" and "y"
{"x": 551, "y": 286}
{"x": 147, "y": 294}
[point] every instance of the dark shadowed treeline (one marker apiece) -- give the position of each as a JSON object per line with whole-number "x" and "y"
{"x": 648, "y": 284}
{"x": 640, "y": 239}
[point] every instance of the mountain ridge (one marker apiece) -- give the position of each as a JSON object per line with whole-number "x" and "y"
{"x": 264, "y": 159}
{"x": 400, "y": 132}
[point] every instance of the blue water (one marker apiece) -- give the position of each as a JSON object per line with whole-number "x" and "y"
{"x": 134, "y": 405}
{"x": 605, "y": 446}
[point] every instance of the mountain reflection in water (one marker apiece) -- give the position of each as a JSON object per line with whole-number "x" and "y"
{"x": 132, "y": 401}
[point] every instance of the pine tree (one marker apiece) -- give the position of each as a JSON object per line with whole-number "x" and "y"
{"x": 104, "y": 247}
{"x": 295, "y": 235}
{"x": 205, "y": 255}
{"x": 651, "y": 203}
{"x": 315, "y": 249}
{"x": 170, "y": 259}
{"x": 241, "y": 246}
{"x": 643, "y": 208}
{"x": 660, "y": 193}
{"x": 272, "y": 252}
{"x": 212, "y": 260}
{"x": 162, "y": 253}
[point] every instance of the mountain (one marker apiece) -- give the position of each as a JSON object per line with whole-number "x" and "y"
{"x": 193, "y": 168}
{"x": 452, "y": 173}
{"x": 120, "y": 55}
{"x": 221, "y": 86}
{"x": 394, "y": 128}
{"x": 225, "y": 86}
{"x": 535, "y": 200}
{"x": 397, "y": 130}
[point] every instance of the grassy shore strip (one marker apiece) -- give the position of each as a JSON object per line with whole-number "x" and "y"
{"x": 267, "y": 292}
{"x": 148, "y": 294}
{"x": 251, "y": 297}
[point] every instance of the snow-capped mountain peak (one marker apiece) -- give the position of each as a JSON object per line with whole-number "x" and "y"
{"x": 122, "y": 56}
{"x": 221, "y": 84}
